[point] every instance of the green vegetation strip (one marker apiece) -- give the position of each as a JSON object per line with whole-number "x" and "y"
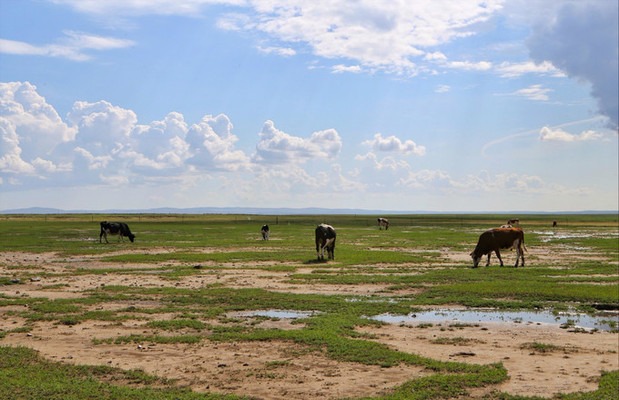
{"x": 24, "y": 375}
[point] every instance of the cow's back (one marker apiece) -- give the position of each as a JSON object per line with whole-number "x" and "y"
{"x": 498, "y": 239}
{"x": 506, "y": 237}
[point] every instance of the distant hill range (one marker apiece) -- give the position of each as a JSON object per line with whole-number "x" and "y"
{"x": 277, "y": 211}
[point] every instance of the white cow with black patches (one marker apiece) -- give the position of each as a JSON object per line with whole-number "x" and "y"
{"x": 325, "y": 240}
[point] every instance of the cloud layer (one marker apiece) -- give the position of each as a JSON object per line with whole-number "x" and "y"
{"x": 582, "y": 42}
{"x": 73, "y": 46}
{"x": 100, "y": 141}
{"x": 103, "y": 144}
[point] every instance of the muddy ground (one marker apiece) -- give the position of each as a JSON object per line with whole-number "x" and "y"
{"x": 283, "y": 370}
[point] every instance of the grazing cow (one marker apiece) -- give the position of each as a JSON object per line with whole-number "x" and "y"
{"x": 554, "y": 224}
{"x": 115, "y": 228}
{"x": 513, "y": 222}
{"x": 265, "y": 232}
{"x": 383, "y": 222}
{"x": 325, "y": 239}
{"x": 499, "y": 239}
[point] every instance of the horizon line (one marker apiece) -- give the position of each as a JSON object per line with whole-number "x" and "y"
{"x": 282, "y": 211}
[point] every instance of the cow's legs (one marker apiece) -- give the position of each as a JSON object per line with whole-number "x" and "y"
{"x": 519, "y": 254}
{"x": 498, "y": 254}
{"x": 104, "y": 235}
{"x": 330, "y": 252}
{"x": 488, "y": 262}
{"x": 327, "y": 246}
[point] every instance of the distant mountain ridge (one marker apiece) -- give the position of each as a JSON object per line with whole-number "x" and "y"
{"x": 276, "y": 211}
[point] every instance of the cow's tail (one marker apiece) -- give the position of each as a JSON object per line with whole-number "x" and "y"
{"x": 523, "y": 245}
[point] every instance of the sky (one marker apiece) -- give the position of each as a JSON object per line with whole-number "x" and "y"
{"x": 431, "y": 105}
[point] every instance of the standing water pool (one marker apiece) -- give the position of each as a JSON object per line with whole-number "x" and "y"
{"x": 605, "y": 321}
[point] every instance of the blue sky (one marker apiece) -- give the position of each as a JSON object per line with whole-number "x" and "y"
{"x": 465, "y": 105}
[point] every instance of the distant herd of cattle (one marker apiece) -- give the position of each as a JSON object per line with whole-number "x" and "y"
{"x": 494, "y": 240}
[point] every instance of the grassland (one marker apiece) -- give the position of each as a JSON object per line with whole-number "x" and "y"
{"x": 188, "y": 280}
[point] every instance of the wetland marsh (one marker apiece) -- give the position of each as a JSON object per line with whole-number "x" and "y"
{"x": 180, "y": 313}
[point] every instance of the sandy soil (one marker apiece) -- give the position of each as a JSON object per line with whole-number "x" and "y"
{"x": 282, "y": 370}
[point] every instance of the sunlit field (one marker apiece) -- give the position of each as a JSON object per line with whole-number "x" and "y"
{"x": 199, "y": 306}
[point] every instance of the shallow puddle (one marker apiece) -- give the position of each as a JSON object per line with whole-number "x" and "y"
{"x": 283, "y": 314}
{"x": 547, "y": 236}
{"x": 571, "y": 320}
{"x": 568, "y": 320}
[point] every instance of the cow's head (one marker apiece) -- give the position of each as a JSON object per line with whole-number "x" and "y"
{"x": 131, "y": 237}
{"x": 476, "y": 257}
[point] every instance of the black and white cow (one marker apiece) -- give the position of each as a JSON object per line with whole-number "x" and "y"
{"x": 115, "y": 228}
{"x": 325, "y": 239}
{"x": 265, "y": 232}
{"x": 383, "y": 222}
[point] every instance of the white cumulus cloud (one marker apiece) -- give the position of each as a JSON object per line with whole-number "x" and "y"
{"x": 31, "y": 130}
{"x": 211, "y": 144}
{"x": 278, "y": 147}
{"x": 393, "y": 144}
{"x": 100, "y": 137}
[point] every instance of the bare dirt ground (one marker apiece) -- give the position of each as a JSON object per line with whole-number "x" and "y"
{"x": 283, "y": 370}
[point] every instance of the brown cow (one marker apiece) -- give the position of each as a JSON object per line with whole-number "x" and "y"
{"x": 383, "y": 222}
{"x": 499, "y": 239}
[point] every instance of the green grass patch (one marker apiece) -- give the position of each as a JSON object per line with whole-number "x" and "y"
{"x": 177, "y": 324}
{"x": 545, "y": 348}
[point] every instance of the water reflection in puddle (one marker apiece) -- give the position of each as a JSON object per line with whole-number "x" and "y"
{"x": 283, "y": 314}
{"x": 477, "y": 316}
